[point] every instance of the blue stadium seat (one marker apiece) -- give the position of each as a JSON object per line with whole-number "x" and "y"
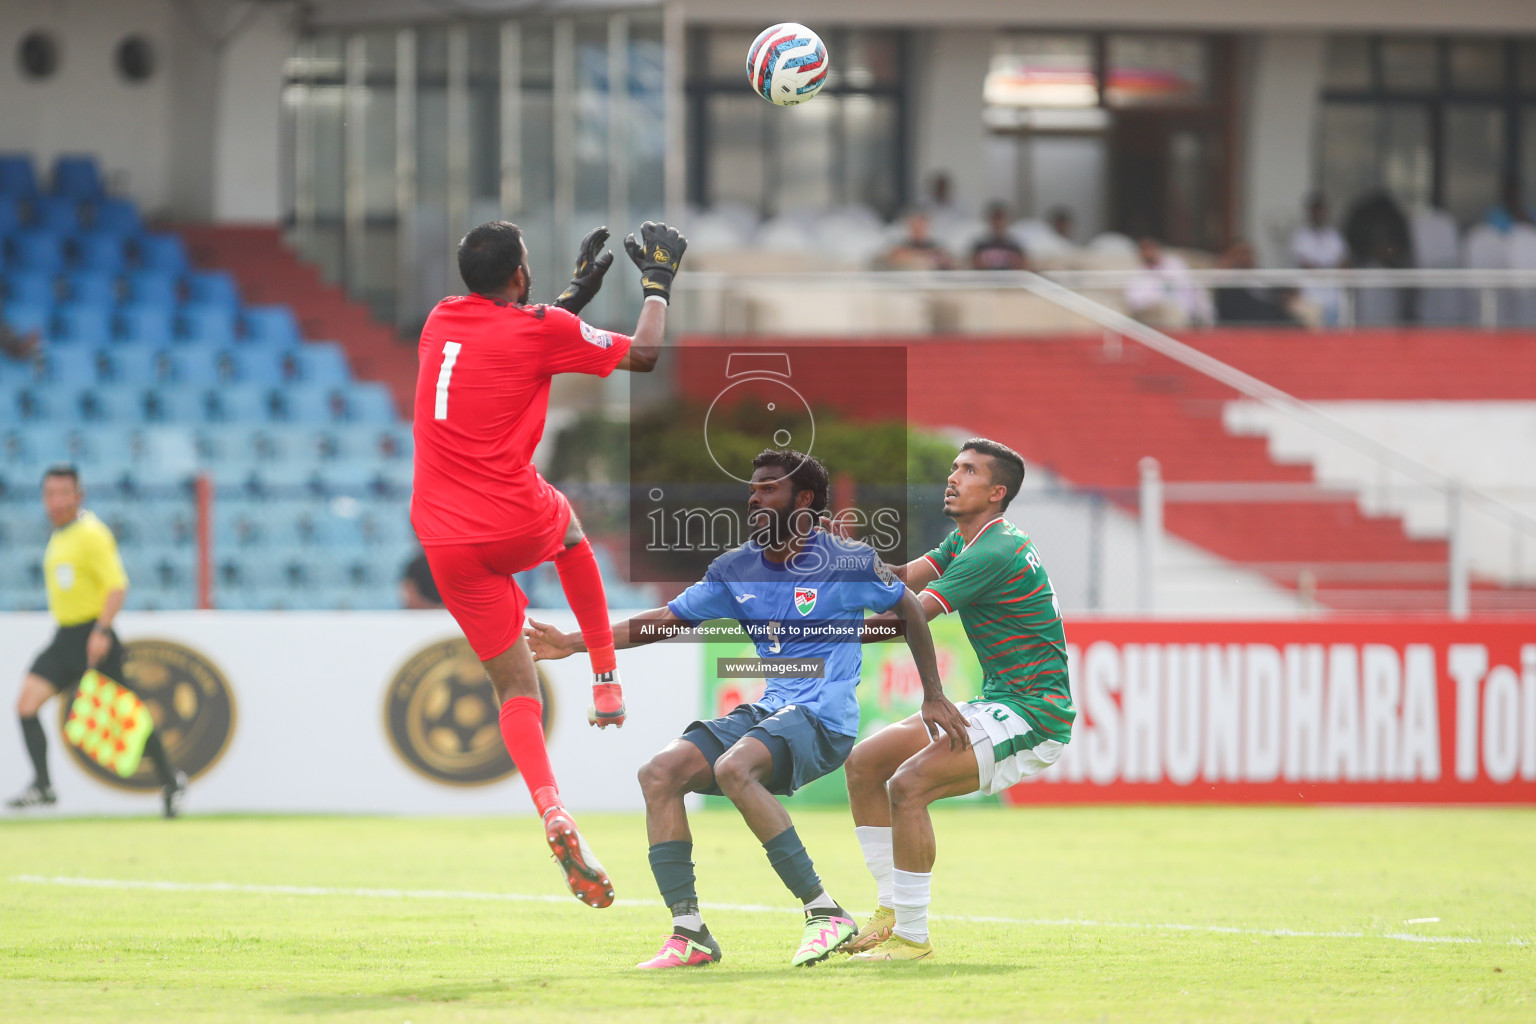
{"x": 95, "y": 286}
{"x": 161, "y": 252}
{"x": 346, "y": 476}
{"x": 78, "y": 324}
{"x": 396, "y": 478}
{"x": 311, "y": 404}
{"x": 199, "y": 364}
{"x": 322, "y": 362}
{"x": 133, "y": 363}
{"x": 285, "y": 480}
{"x": 242, "y": 403}
{"x": 154, "y": 287}
{"x": 17, "y": 178}
{"x": 100, "y": 252}
{"x": 74, "y": 365}
{"x": 368, "y": 402}
{"x": 115, "y": 217}
{"x": 271, "y": 325}
{"x": 16, "y": 373}
{"x": 112, "y": 403}
{"x": 34, "y": 286}
{"x": 207, "y": 324}
{"x": 214, "y": 288}
{"x": 172, "y": 404}
{"x": 260, "y": 365}
{"x": 27, "y": 317}
{"x": 37, "y": 250}
{"x": 146, "y": 324}
{"x": 76, "y": 175}
{"x": 10, "y": 215}
{"x": 59, "y": 215}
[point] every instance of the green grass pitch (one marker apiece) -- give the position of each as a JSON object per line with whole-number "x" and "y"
{"x": 1070, "y": 914}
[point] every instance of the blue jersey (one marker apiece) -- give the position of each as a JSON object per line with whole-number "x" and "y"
{"x": 809, "y": 607}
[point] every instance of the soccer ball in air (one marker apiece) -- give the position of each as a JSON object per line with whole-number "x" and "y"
{"x": 787, "y": 64}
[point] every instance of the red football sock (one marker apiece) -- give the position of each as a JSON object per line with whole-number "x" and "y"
{"x": 583, "y": 586}
{"x": 522, "y": 730}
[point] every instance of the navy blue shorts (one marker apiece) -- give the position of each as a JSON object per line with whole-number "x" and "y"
{"x": 802, "y": 748}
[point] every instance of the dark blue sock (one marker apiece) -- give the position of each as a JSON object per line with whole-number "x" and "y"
{"x": 672, "y": 864}
{"x": 787, "y": 855}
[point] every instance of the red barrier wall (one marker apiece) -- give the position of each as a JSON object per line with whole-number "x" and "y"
{"x": 1407, "y": 711}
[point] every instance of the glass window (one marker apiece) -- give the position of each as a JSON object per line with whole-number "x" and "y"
{"x": 865, "y": 59}
{"x": 484, "y": 124}
{"x": 1406, "y": 158}
{"x": 1364, "y": 146}
{"x": 1528, "y": 154}
{"x": 725, "y": 53}
{"x": 1349, "y": 63}
{"x": 870, "y": 152}
{"x": 1477, "y": 65}
{"x": 1526, "y": 61}
{"x": 734, "y": 158}
{"x": 645, "y": 145}
{"x": 1410, "y": 65}
{"x": 1474, "y": 159}
{"x": 1155, "y": 70}
{"x": 1037, "y": 70}
{"x": 805, "y": 154}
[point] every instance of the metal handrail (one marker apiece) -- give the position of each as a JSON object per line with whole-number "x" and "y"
{"x": 1053, "y": 289}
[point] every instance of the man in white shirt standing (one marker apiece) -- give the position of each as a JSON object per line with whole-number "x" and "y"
{"x": 1317, "y": 245}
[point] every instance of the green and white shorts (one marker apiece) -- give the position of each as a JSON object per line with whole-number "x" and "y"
{"x": 1008, "y": 749}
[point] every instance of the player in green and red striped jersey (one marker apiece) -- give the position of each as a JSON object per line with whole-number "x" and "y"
{"x": 988, "y": 572}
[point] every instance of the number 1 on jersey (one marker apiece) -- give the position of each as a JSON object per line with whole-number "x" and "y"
{"x": 450, "y": 356}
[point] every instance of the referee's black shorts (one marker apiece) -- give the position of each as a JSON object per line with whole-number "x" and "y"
{"x": 63, "y": 662}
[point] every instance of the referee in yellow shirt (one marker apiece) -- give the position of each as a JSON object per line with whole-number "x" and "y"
{"x": 86, "y": 586}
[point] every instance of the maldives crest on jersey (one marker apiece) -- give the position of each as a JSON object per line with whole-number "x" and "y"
{"x": 805, "y": 599}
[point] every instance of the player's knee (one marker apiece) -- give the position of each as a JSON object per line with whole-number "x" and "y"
{"x": 733, "y": 773}
{"x": 862, "y": 768}
{"x": 658, "y": 779}
{"x": 905, "y": 788}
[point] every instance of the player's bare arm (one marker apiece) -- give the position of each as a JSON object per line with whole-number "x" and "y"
{"x": 879, "y": 627}
{"x": 938, "y": 712}
{"x": 551, "y": 644}
{"x": 99, "y": 643}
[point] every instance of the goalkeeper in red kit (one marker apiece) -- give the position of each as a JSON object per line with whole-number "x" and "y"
{"x": 480, "y": 509}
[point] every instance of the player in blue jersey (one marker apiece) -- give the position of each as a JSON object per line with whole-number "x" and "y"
{"x": 800, "y": 594}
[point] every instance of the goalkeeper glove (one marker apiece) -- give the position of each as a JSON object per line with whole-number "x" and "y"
{"x": 657, "y": 254}
{"x": 590, "y": 268}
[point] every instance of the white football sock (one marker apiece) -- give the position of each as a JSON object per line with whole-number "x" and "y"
{"x": 911, "y": 896}
{"x": 880, "y": 856}
{"x": 821, "y": 901}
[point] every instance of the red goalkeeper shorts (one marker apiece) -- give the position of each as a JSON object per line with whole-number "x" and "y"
{"x": 476, "y": 582}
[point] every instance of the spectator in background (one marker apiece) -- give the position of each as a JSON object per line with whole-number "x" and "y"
{"x": 1378, "y": 236}
{"x": 940, "y": 204}
{"x": 1510, "y": 209}
{"x": 1317, "y": 245}
{"x": 1162, "y": 294}
{"x": 418, "y": 590}
{"x": 1377, "y": 232}
{"x": 917, "y": 251}
{"x": 17, "y": 346}
{"x": 1242, "y": 305}
{"x": 997, "y": 249}
{"x": 1063, "y": 222}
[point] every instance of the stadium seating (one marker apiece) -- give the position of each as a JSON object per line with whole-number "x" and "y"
{"x": 151, "y": 372}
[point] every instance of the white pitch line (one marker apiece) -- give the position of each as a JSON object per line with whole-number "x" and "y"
{"x": 743, "y": 908}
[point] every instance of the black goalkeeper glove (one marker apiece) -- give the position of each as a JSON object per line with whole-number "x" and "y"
{"x": 657, "y": 254}
{"x": 590, "y": 268}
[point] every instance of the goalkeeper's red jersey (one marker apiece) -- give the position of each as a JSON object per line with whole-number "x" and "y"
{"x": 482, "y": 393}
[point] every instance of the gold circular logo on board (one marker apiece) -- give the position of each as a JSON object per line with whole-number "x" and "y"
{"x": 190, "y": 701}
{"x": 443, "y": 719}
